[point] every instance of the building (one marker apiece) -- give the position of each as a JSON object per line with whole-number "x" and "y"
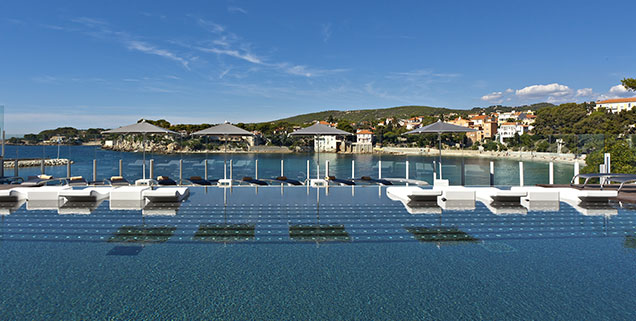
{"x": 326, "y": 143}
{"x": 508, "y": 130}
{"x": 617, "y": 105}
{"x": 364, "y": 141}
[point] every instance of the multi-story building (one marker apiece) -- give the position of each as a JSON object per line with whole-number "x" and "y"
{"x": 617, "y": 105}
{"x": 364, "y": 141}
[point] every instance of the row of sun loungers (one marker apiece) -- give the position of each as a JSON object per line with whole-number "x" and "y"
{"x": 517, "y": 200}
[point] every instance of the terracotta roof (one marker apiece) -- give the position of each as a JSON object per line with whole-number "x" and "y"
{"x": 508, "y": 123}
{"x": 480, "y": 117}
{"x": 365, "y": 131}
{"x": 618, "y": 100}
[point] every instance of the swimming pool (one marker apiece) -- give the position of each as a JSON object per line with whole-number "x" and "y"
{"x": 306, "y": 253}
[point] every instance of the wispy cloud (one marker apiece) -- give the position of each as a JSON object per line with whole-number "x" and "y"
{"x": 230, "y": 45}
{"x": 326, "y": 30}
{"x": 150, "y": 49}
{"x": 234, "y": 9}
{"x": 101, "y": 29}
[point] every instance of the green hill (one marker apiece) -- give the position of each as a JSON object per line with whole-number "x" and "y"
{"x": 401, "y": 112}
{"x": 370, "y": 114}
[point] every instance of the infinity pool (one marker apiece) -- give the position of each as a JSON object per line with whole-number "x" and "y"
{"x": 298, "y": 253}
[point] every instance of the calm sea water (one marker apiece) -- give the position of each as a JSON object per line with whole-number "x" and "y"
{"x": 241, "y": 254}
{"x": 421, "y": 167}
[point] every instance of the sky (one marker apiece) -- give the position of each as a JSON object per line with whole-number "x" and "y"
{"x": 109, "y": 63}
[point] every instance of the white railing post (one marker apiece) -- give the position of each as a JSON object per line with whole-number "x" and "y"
{"x": 407, "y": 170}
{"x": 282, "y": 167}
{"x": 256, "y": 174}
{"x": 225, "y": 169}
{"x": 379, "y": 169}
{"x": 307, "y": 170}
{"x": 576, "y": 172}
{"x": 520, "y": 173}
{"x": 152, "y": 168}
{"x": 551, "y": 176}
{"x": 326, "y": 168}
{"x": 492, "y": 173}
{"x": 94, "y": 170}
{"x": 353, "y": 169}
{"x": 231, "y": 169}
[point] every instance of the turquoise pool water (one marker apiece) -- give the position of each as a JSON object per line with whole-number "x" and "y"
{"x": 298, "y": 253}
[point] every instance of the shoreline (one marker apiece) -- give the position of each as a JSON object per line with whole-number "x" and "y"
{"x": 413, "y": 151}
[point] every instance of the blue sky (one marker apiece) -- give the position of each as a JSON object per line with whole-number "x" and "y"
{"x": 109, "y": 63}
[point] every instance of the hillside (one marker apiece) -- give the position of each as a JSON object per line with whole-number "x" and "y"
{"x": 370, "y": 114}
{"x": 373, "y": 115}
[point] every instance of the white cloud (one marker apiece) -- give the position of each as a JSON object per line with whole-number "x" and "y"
{"x": 494, "y": 96}
{"x": 620, "y": 90}
{"x": 585, "y": 92}
{"x": 509, "y": 91}
{"x": 149, "y": 49}
{"x": 234, "y": 9}
{"x": 552, "y": 91}
{"x": 234, "y": 53}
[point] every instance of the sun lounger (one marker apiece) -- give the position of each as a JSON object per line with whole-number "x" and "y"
{"x": 39, "y": 180}
{"x": 77, "y": 181}
{"x": 11, "y": 180}
{"x": 490, "y": 195}
{"x": 340, "y": 181}
{"x": 128, "y": 193}
{"x": 86, "y": 195}
{"x": 370, "y": 180}
{"x": 118, "y": 181}
{"x": 416, "y": 200}
{"x": 166, "y": 194}
{"x": 284, "y": 179}
{"x": 601, "y": 177}
{"x": 45, "y": 193}
{"x": 252, "y": 181}
{"x": 13, "y": 195}
{"x": 198, "y": 180}
{"x": 166, "y": 181}
{"x": 623, "y": 179}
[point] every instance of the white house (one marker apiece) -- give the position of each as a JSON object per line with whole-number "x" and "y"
{"x": 364, "y": 136}
{"x": 617, "y": 105}
{"x": 508, "y": 130}
{"x": 326, "y": 143}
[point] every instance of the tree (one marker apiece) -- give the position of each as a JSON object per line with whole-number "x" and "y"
{"x": 629, "y": 83}
{"x": 623, "y": 158}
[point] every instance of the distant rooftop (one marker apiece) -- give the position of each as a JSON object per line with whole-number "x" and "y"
{"x": 617, "y": 100}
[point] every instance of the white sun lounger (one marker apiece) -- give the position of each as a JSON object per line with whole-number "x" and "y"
{"x": 490, "y": 195}
{"x": 13, "y": 195}
{"x": 412, "y": 194}
{"x": 44, "y": 193}
{"x": 87, "y": 195}
{"x": 128, "y": 193}
{"x": 166, "y": 194}
{"x": 416, "y": 200}
{"x": 127, "y": 197}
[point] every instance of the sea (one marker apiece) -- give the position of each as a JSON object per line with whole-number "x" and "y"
{"x": 294, "y": 165}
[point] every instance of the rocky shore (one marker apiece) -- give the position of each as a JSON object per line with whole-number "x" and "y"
{"x": 527, "y": 156}
{"x": 37, "y": 162}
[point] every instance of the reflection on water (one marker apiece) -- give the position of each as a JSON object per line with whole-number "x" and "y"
{"x": 319, "y": 233}
{"x": 142, "y": 234}
{"x": 225, "y": 233}
{"x": 442, "y": 235}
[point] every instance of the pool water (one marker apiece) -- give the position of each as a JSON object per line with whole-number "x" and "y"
{"x": 299, "y": 253}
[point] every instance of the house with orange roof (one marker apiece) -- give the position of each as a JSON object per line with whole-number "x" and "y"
{"x": 364, "y": 141}
{"x": 616, "y": 105}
